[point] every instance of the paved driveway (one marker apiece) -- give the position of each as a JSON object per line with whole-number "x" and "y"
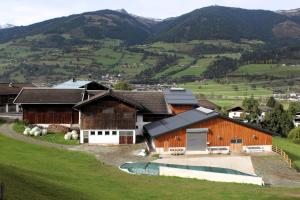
{"x": 240, "y": 163}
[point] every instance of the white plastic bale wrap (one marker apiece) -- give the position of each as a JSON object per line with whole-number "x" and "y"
{"x": 44, "y": 132}
{"x": 68, "y": 136}
{"x": 74, "y": 135}
{"x": 27, "y": 131}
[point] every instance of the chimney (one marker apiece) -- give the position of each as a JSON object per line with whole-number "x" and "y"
{"x": 73, "y": 79}
{"x": 10, "y": 84}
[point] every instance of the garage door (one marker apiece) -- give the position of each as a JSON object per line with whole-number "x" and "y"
{"x": 196, "y": 139}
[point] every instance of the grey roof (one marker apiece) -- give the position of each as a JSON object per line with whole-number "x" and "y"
{"x": 72, "y": 84}
{"x": 79, "y": 84}
{"x": 178, "y": 121}
{"x": 180, "y": 96}
{"x": 185, "y": 119}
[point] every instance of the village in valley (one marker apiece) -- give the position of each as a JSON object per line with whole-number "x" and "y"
{"x": 111, "y": 105}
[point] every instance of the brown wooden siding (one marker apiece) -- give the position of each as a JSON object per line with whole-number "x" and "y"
{"x": 50, "y": 114}
{"x": 108, "y": 113}
{"x": 221, "y": 131}
{"x": 176, "y": 109}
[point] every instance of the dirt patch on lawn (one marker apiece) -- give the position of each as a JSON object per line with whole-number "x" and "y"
{"x": 275, "y": 171}
{"x": 115, "y": 154}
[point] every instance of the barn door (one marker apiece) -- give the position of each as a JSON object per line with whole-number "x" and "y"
{"x": 196, "y": 141}
{"x": 236, "y": 145}
{"x": 125, "y": 137}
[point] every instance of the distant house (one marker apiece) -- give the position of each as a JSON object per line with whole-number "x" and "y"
{"x": 81, "y": 84}
{"x": 264, "y": 110}
{"x": 203, "y": 102}
{"x": 180, "y": 100}
{"x": 236, "y": 112}
{"x": 296, "y": 120}
{"x": 204, "y": 131}
{"x": 8, "y": 92}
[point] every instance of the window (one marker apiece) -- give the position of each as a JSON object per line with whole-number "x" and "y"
{"x": 108, "y": 110}
{"x": 99, "y": 133}
{"x": 127, "y": 115}
{"x": 93, "y": 133}
{"x": 126, "y": 133}
{"x": 236, "y": 141}
{"x": 114, "y": 132}
{"x": 106, "y": 132}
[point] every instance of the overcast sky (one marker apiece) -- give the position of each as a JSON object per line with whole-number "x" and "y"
{"x": 24, "y": 12}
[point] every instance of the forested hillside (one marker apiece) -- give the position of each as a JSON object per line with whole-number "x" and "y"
{"x": 209, "y": 43}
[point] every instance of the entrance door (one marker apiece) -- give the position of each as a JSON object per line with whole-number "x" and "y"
{"x": 236, "y": 145}
{"x": 166, "y": 145}
{"x": 125, "y": 137}
{"x": 196, "y": 141}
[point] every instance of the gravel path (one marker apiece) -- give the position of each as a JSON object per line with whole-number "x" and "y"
{"x": 111, "y": 154}
{"x": 275, "y": 171}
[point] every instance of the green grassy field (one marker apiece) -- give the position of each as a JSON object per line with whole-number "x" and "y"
{"x": 277, "y": 70}
{"x": 227, "y": 95}
{"x": 292, "y": 149}
{"x": 38, "y": 173}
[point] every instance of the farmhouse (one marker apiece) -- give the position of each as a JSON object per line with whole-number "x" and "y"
{"x": 103, "y": 116}
{"x": 296, "y": 120}
{"x": 205, "y": 131}
{"x": 236, "y": 112}
{"x": 8, "y": 92}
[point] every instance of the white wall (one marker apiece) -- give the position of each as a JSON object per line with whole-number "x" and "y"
{"x": 104, "y": 139}
{"x": 140, "y": 124}
{"x": 210, "y": 176}
{"x": 233, "y": 115}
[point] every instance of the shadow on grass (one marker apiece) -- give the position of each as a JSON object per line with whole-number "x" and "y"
{"x": 26, "y": 184}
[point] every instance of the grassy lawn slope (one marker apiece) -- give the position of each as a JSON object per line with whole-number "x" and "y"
{"x": 292, "y": 149}
{"x": 37, "y": 173}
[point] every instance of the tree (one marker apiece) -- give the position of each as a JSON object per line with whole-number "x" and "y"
{"x": 294, "y": 134}
{"x": 278, "y": 120}
{"x": 294, "y": 107}
{"x": 123, "y": 86}
{"x": 271, "y": 102}
{"x": 252, "y": 110}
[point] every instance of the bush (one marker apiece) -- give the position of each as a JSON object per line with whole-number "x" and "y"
{"x": 294, "y": 134}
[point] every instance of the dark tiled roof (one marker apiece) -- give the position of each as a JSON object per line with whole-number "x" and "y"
{"x": 14, "y": 89}
{"x": 185, "y": 119}
{"x": 153, "y": 102}
{"x": 236, "y": 108}
{"x": 208, "y": 104}
{"x": 180, "y": 96}
{"x": 49, "y": 96}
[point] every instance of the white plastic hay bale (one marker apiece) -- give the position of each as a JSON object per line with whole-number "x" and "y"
{"x": 68, "y": 136}
{"x": 37, "y": 133}
{"x": 27, "y": 131}
{"x": 44, "y": 132}
{"x": 75, "y": 136}
{"x": 74, "y": 132}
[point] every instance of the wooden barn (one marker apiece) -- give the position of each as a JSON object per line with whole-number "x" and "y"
{"x": 205, "y": 131}
{"x": 8, "y": 92}
{"x": 45, "y": 106}
{"x": 116, "y": 117}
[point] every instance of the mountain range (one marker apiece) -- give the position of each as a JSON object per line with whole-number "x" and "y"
{"x": 208, "y": 43}
{"x": 214, "y": 22}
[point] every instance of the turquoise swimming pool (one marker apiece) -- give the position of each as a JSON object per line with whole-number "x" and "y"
{"x": 151, "y": 168}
